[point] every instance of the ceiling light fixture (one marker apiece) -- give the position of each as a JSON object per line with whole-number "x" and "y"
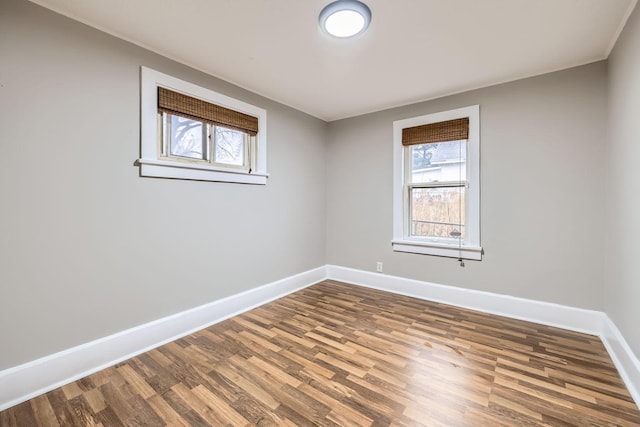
{"x": 345, "y": 18}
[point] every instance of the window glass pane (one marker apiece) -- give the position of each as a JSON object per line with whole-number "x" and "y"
{"x": 438, "y": 212}
{"x": 439, "y": 162}
{"x": 229, "y": 147}
{"x": 186, "y": 138}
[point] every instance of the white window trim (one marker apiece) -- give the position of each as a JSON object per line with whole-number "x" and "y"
{"x": 402, "y": 242}
{"x": 152, "y": 164}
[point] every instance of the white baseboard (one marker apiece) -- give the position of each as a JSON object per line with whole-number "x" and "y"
{"x": 31, "y": 379}
{"x": 575, "y": 319}
{"x": 627, "y": 363}
{"x": 561, "y": 316}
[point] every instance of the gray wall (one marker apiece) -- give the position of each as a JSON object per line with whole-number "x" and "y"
{"x": 87, "y": 247}
{"x": 622, "y": 268}
{"x": 542, "y": 170}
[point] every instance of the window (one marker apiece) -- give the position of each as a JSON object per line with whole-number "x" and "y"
{"x": 437, "y": 184}
{"x": 190, "y": 132}
{"x": 184, "y": 139}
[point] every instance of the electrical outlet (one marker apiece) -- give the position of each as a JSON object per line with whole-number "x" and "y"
{"x": 379, "y": 267}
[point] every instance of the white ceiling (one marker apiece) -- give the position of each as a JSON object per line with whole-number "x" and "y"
{"x": 414, "y": 50}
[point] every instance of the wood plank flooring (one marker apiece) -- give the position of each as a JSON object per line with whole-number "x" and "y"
{"x": 340, "y": 355}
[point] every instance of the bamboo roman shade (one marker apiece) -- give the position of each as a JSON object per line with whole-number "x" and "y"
{"x": 451, "y": 130}
{"x": 196, "y": 109}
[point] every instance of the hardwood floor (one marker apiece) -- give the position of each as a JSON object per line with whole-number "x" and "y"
{"x": 336, "y": 354}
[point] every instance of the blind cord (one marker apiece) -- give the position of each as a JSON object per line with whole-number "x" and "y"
{"x": 460, "y": 204}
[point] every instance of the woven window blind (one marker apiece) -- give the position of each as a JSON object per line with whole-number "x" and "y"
{"x": 196, "y": 109}
{"x": 451, "y": 130}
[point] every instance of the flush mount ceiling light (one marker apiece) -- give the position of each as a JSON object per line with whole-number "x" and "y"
{"x": 345, "y": 18}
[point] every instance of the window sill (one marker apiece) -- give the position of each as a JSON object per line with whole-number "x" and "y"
{"x": 178, "y": 170}
{"x": 424, "y": 248}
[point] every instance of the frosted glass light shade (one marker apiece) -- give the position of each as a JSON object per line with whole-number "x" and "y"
{"x": 345, "y": 18}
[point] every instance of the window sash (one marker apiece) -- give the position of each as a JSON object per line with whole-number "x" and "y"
{"x": 247, "y": 151}
{"x": 408, "y": 164}
{"x": 209, "y": 145}
{"x": 409, "y": 206}
{"x": 167, "y": 132}
{"x": 410, "y": 186}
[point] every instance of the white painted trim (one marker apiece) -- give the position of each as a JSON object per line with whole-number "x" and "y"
{"x": 402, "y": 241}
{"x": 627, "y": 363}
{"x": 153, "y": 165}
{"x": 426, "y": 248}
{"x": 162, "y": 169}
{"x": 561, "y": 316}
{"x": 575, "y": 319}
{"x": 31, "y": 379}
